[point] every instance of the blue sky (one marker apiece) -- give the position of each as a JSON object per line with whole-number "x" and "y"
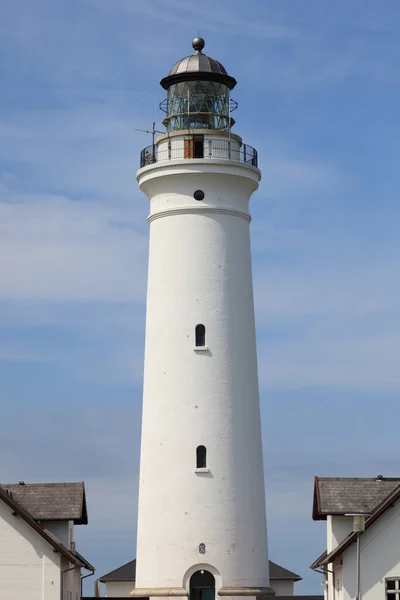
{"x": 318, "y": 97}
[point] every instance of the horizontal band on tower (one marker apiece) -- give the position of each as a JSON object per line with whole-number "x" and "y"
{"x": 246, "y": 591}
{"x": 197, "y": 210}
{"x": 175, "y": 592}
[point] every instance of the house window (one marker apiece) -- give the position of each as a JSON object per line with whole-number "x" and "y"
{"x": 392, "y": 588}
{"x": 201, "y": 461}
{"x": 200, "y": 335}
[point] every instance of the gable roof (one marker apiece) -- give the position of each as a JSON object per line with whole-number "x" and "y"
{"x": 346, "y": 495}
{"x": 19, "y": 510}
{"x": 278, "y": 572}
{"x": 382, "y": 507}
{"x": 52, "y": 501}
{"x": 127, "y": 572}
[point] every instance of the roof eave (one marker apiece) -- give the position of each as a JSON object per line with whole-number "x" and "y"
{"x": 85, "y": 563}
{"x": 297, "y": 578}
{"x": 229, "y": 81}
{"x": 316, "y": 514}
{"x": 389, "y": 501}
{"x": 317, "y": 562}
{"x": 106, "y": 579}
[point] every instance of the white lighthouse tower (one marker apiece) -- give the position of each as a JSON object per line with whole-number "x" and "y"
{"x": 202, "y": 525}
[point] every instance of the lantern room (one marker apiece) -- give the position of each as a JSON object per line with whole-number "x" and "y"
{"x": 198, "y": 89}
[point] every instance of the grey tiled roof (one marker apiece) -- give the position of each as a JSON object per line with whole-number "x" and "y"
{"x": 346, "y": 495}
{"x": 73, "y": 557}
{"x": 51, "y": 501}
{"x": 379, "y": 510}
{"x": 278, "y": 572}
{"x": 127, "y": 572}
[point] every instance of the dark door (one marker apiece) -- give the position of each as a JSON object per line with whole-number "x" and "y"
{"x": 202, "y": 586}
{"x": 198, "y": 146}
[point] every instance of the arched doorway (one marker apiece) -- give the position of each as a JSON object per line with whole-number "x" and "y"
{"x": 202, "y": 586}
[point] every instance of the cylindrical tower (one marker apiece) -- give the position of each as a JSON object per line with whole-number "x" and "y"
{"x": 202, "y": 525}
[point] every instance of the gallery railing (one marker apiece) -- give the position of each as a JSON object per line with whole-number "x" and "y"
{"x": 195, "y": 148}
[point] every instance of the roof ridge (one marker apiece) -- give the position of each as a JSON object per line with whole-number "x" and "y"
{"x": 375, "y": 478}
{"x": 52, "y": 500}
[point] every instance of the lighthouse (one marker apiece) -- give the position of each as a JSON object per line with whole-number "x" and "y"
{"x": 201, "y": 524}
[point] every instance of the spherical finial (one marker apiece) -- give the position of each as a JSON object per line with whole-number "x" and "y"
{"x": 198, "y": 44}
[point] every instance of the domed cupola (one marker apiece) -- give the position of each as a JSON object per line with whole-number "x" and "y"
{"x": 198, "y": 93}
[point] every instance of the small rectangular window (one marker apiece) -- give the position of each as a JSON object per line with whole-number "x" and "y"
{"x": 392, "y": 588}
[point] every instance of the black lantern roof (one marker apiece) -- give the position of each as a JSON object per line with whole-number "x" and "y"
{"x": 198, "y": 66}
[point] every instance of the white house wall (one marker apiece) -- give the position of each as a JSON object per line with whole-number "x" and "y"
{"x": 282, "y": 587}
{"x": 340, "y": 529}
{"x": 29, "y": 568}
{"x": 380, "y": 558}
{"x": 71, "y": 582}
{"x": 118, "y": 589}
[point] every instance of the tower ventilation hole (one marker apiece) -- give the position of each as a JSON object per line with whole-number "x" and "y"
{"x": 199, "y": 195}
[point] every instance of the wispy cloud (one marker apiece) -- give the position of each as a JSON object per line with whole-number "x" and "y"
{"x": 58, "y": 249}
{"x": 318, "y": 94}
{"x": 207, "y": 16}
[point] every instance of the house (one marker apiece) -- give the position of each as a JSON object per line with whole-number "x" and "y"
{"x": 282, "y": 580}
{"x": 121, "y": 581}
{"x": 38, "y": 559}
{"x": 362, "y": 559}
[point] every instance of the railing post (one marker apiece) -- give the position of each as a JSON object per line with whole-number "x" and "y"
{"x": 244, "y": 153}
{"x": 229, "y": 149}
{"x": 169, "y": 149}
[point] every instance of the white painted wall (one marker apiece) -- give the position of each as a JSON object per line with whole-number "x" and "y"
{"x": 200, "y": 272}
{"x": 340, "y": 527}
{"x": 282, "y": 587}
{"x": 115, "y": 589}
{"x": 215, "y": 146}
{"x": 29, "y": 569}
{"x": 380, "y": 558}
{"x": 71, "y": 582}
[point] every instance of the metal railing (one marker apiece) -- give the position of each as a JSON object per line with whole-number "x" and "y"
{"x": 195, "y": 147}
{"x": 148, "y": 156}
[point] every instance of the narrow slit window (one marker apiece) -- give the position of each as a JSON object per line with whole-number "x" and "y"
{"x": 200, "y": 335}
{"x": 201, "y": 457}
